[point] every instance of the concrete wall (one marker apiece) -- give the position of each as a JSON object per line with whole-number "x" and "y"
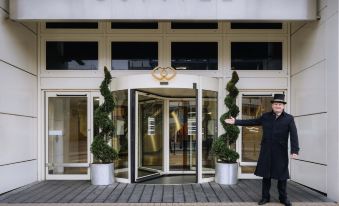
{"x": 18, "y": 102}
{"x": 314, "y": 99}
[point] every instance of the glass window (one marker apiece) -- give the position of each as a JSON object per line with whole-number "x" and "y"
{"x": 134, "y": 55}
{"x": 134, "y": 25}
{"x": 120, "y": 140}
{"x": 247, "y": 25}
{"x": 67, "y": 134}
{"x": 195, "y": 55}
{"x": 194, "y": 25}
{"x": 66, "y": 55}
{"x": 209, "y": 129}
{"x": 71, "y": 25}
{"x": 256, "y": 55}
{"x": 253, "y": 107}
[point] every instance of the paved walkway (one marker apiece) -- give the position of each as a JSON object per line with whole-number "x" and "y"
{"x": 246, "y": 192}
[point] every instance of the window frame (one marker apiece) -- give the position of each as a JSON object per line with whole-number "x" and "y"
{"x": 71, "y": 73}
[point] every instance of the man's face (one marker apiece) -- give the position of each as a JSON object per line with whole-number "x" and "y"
{"x": 278, "y": 107}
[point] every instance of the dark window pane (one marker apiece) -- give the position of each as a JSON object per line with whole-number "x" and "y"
{"x": 134, "y": 25}
{"x": 71, "y": 55}
{"x": 71, "y": 25}
{"x": 190, "y": 25}
{"x": 256, "y": 25}
{"x": 195, "y": 55}
{"x": 134, "y": 55}
{"x": 256, "y": 55}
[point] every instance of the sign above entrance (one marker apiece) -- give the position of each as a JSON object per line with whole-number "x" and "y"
{"x": 164, "y": 74}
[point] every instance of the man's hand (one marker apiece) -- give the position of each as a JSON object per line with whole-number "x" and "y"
{"x": 294, "y": 156}
{"x": 230, "y": 121}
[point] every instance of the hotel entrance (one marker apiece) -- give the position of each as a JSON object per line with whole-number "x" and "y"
{"x": 171, "y": 128}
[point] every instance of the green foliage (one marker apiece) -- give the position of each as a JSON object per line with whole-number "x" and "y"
{"x": 99, "y": 147}
{"x": 221, "y": 146}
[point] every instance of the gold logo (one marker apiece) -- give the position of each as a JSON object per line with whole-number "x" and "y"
{"x": 164, "y": 73}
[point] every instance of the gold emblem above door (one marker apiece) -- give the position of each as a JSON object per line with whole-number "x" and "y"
{"x": 164, "y": 73}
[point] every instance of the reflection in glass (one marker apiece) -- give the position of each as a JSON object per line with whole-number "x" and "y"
{"x": 134, "y": 55}
{"x": 150, "y": 135}
{"x": 194, "y": 55}
{"x": 71, "y": 55}
{"x": 120, "y": 140}
{"x": 182, "y": 134}
{"x": 256, "y": 55}
{"x": 253, "y": 107}
{"x": 67, "y": 134}
{"x": 209, "y": 129}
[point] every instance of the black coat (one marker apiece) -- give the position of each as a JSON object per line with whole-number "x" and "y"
{"x": 273, "y": 157}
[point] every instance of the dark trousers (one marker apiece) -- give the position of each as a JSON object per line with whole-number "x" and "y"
{"x": 266, "y": 185}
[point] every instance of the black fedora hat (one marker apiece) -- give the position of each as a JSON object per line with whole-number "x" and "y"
{"x": 279, "y": 98}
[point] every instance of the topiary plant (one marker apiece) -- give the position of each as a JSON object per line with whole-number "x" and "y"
{"x": 101, "y": 150}
{"x": 222, "y": 146}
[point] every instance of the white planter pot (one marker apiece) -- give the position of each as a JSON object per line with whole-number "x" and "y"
{"x": 102, "y": 174}
{"x": 226, "y": 173}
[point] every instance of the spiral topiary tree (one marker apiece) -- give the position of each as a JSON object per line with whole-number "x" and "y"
{"x": 222, "y": 146}
{"x": 101, "y": 150}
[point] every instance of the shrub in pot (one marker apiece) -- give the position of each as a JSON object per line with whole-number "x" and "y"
{"x": 223, "y": 147}
{"x": 104, "y": 155}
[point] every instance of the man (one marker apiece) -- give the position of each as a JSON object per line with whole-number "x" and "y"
{"x": 273, "y": 157}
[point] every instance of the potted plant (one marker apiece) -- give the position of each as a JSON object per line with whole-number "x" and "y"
{"x": 223, "y": 147}
{"x": 102, "y": 169}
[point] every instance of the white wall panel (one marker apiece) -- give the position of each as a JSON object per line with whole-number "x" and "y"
{"x": 71, "y": 83}
{"x": 174, "y": 9}
{"x": 17, "y": 175}
{"x": 262, "y": 83}
{"x": 312, "y": 137}
{"x": 307, "y": 46}
{"x": 308, "y": 90}
{"x": 18, "y": 91}
{"x": 18, "y": 139}
{"x": 18, "y": 44}
{"x": 309, "y": 174}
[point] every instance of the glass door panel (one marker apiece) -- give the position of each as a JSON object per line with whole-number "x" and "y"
{"x": 67, "y": 135}
{"x": 209, "y": 130}
{"x": 150, "y": 136}
{"x": 182, "y": 135}
{"x": 252, "y": 107}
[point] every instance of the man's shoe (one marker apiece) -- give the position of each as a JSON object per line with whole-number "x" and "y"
{"x": 286, "y": 202}
{"x": 263, "y": 201}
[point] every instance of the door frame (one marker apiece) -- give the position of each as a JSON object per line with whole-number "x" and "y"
{"x": 242, "y": 175}
{"x": 89, "y": 96}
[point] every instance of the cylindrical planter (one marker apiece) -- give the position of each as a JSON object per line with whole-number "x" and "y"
{"x": 102, "y": 174}
{"x": 226, "y": 173}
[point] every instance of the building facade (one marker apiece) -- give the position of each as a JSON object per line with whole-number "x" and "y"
{"x": 52, "y": 64}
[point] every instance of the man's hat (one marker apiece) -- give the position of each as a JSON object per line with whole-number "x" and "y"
{"x": 279, "y": 98}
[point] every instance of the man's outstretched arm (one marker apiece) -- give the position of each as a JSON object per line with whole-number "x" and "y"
{"x": 294, "y": 139}
{"x": 245, "y": 122}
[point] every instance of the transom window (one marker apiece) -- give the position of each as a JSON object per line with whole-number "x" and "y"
{"x": 194, "y": 55}
{"x": 256, "y": 55}
{"x": 71, "y": 25}
{"x": 248, "y": 25}
{"x": 134, "y": 55}
{"x": 194, "y": 25}
{"x": 134, "y": 25}
{"x": 68, "y": 55}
